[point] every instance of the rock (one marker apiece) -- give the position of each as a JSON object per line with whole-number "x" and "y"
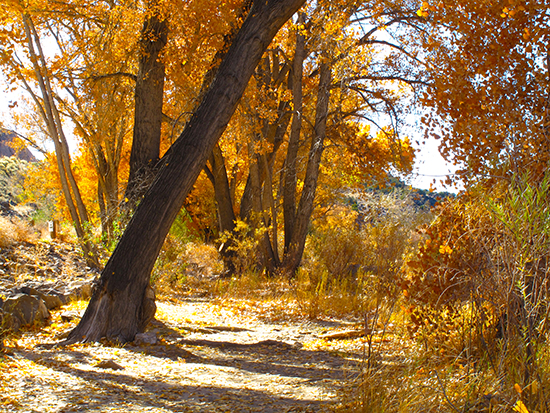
{"x": 58, "y": 296}
{"x": 109, "y": 364}
{"x": 51, "y": 301}
{"x": 80, "y": 289}
{"x": 86, "y": 291}
{"x": 24, "y": 309}
{"x": 149, "y": 338}
{"x": 68, "y": 316}
{"x": 64, "y": 334}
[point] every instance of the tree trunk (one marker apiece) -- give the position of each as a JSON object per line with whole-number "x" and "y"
{"x": 149, "y": 92}
{"x": 107, "y": 172}
{"x": 274, "y": 134}
{"x": 290, "y": 181}
{"x": 119, "y": 307}
{"x": 51, "y": 118}
{"x": 224, "y": 201}
{"x": 293, "y": 257}
{"x": 220, "y": 181}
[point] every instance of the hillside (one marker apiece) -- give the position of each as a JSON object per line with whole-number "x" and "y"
{"x": 6, "y": 137}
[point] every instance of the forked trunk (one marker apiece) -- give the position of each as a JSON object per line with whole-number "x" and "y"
{"x": 293, "y": 255}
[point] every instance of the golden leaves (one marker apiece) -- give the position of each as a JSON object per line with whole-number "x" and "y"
{"x": 520, "y": 407}
{"x": 480, "y": 69}
{"x": 445, "y": 249}
{"x": 424, "y": 10}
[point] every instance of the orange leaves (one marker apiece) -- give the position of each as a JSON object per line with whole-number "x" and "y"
{"x": 445, "y": 249}
{"x": 424, "y": 10}
{"x": 486, "y": 82}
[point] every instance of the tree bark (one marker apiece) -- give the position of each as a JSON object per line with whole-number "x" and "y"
{"x": 293, "y": 257}
{"x": 119, "y": 305}
{"x": 220, "y": 181}
{"x": 290, "y": 181}
{"x": 224, "y": 202}
{"x": 149, "y": 92}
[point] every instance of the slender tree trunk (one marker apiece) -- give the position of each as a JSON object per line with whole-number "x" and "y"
{"x": 224, "y": 201}
{"x": 119, "y": 307}
{"x": 149, "y": 92}
{"x": 275, "y": 134}
{"x": 107, "y": 190}
{"x": 293, "y": 257}
{"x": 259, "y": 219}
{"x": 290, "y": 181}
{"x": 270, "y": 218}
{"x": 50, "y": 115}
{"x": 226, "y": 214}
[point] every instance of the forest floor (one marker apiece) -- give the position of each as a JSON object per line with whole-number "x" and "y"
{"x": 253, "y": 350}
{"x": 211, "y": 356}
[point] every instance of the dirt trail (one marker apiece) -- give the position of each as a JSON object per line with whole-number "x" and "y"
{"x": 209, "y": 358}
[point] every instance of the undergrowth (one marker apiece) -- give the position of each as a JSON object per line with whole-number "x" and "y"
{"x": 453, "y": 306}
{"x": 454, "y": 310}
{"x": 14, "y": 231}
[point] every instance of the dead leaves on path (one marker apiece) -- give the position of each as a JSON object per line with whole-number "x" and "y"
{"x": 207, "y": 356}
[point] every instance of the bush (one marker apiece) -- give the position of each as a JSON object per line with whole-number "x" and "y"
{"x": 478, "y": 284}
{"x": 354, "y": 253}
{"x": 12, "y": 171}
{"x": 14, "y": 231}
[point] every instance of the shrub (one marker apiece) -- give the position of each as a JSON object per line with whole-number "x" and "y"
{"x": 354, "y": 252}
{"x": 12, "y": 170}
{"x": 14, "y": 231}
{"x": 479, "y": 281}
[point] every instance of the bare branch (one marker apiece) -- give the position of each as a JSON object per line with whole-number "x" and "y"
{"x": 110, "y": 75}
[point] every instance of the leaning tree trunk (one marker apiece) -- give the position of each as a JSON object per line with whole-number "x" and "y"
{"x": 148, "y": 109}
{"x": 119, "y": 307}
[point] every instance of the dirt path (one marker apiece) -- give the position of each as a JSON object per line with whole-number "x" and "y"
{"x": 209, "y": 358}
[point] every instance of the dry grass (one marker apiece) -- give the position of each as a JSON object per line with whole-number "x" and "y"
{"x": 14, "y": 231}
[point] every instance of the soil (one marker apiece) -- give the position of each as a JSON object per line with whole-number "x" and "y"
{"x": 210, "y": 357}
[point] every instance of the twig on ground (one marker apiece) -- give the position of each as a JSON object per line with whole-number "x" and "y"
{"x": 445, "y": 393}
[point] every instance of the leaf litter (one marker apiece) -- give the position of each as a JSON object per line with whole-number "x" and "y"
{"x": 209, "y": 357}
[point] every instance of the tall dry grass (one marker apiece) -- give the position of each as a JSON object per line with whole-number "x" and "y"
{"x": 14, "y": 230}
{"x": 477, "y": 305}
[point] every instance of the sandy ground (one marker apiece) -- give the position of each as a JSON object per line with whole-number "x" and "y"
{"x": 209, "y": 358}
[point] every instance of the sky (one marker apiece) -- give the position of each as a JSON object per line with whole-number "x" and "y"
{"x": 430, "y": 165}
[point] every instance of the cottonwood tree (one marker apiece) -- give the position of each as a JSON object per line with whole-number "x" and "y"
{"x": 99, "y": 104}
{"x": 490, "y": 95}
{"x": 119, "y": 307}
{"x": 34, "y": 74}
{"x": 269, "y": 163}
{"x": 83, "y": 42}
